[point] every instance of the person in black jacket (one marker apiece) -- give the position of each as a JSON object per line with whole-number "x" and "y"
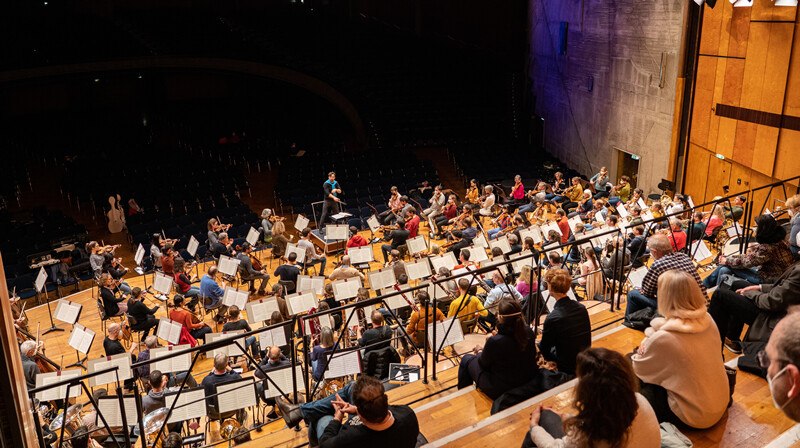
{"x": 250, "y": 274}
{"x": 637, "y": 246}
{"x": 112, "y": 305}
{"x": 144, "y": 318}
{"x": 377, "y": 337}
{"x": 508, "y": 359}
{"x": 397, "y": 237}
{"x": 567, "y": 330}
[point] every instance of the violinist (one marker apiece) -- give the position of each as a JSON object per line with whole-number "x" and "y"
{"x": 155, "y": 250}
{"x": 29, "y": 367}
{"x": 621, "y": 192}
{"x": 266, "y": 225}
{"x": 180, "y": 314}
{"x": 248, "y": 269}
{"x": 449, "y": 212}
{"x": 222, "y": 246}
{"x": 184, "y": 279}
{"x": 502, "y": 222}
{"x": 102, "y": 260}
{"x": 517, "y": 191}
{"x": 487, "y": 201}
{"x": 535, "y": 197}
{"x": 168, "y": 260}
{"x": 394, "y": 206}
{"x": 436, "y": 204}
{"x": 472, "y": 195}
{"x": 143, "y": 316}
{"x": 113, "y": 305}
{"x": 569, "y": 199}
{"x": 214, "y": 229}
{"x": 559, "y": 184}
{"x": 420, "y": 318}
{"x": 279, "y": 239}
{"x": 397, "y": 238}
{"x": 466, "y": 235}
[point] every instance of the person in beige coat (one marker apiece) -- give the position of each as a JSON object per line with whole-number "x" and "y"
{"x": 678, "y": 361}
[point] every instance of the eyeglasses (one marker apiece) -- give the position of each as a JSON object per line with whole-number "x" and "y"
{"x": 764, "y": 361}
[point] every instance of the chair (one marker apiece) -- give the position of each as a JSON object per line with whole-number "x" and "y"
{"x": 132, "y": 322}
{"x": 208, "y": 307}
{"x": 376, "y": 362}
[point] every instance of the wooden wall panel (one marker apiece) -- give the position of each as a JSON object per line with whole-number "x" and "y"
{"x": 764, "y": 154}
{"x": 726, "y": 137}
{"x": 754, "y": 65}
{"x": 703, "y": 99}
{"x": 712, "y": 30}
{"x": 732, "y": 84}
{"x": 696, "y": 173}
{"x": 719, "y": 174}
{"x": 787, "y": 160}
{"x": 792, "y": 97}
{"x": 766, "y": 10}
{"x": 776, "y": 66}
{"x": 745, "y": 142}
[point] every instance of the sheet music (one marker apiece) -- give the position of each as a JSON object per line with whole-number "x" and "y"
{"x": 354, "y": 321}
{"x": 252, "y": 236}
{"x": 359, "y": 255}
{"x": 109, "y": 407}
{"x": 67, "y": 312}
{"x": 623, "y": 212}
{"x": 345, "y": 364}
{"x": 637, "y": 276}
{"x": 394, "y": 302}
{"x": 81, "y": 338}
{"x": 477, "y": 254}
{"x": 57, "y": 393}
{"x": 190, "y": 404}
{"x": 227, "y": 350}
{"x": 337, "y": 232}
{"x": 41, "y": 279}
{"x": 301, "y": 302}
{"x": 647, "y": 215}
{"x": 373, "y": 223}
{"x": 233, "y": 296}
{"x": 522, "y": 259}
{"x": 232, "y": 396}
{"x": 418, "y": 269}
{"x": 347, "y": 288}
{"x": 192, "y": 246}
{"x": 480, "y": 241}
{"x": 270, "y": 338}
{"x": 734, "y": 230}
{"x": 573, "y": 222}
{"x": 301, "y": 223}
{"x": 138, "y": 257}
{"x": 437, "y": 291}
{"x": 162, "y": 283}
{"x": 228, "y": 265}
{"x": 546, "y": 228}
{"x": 447, "y": 260}
{"x": 122, "y": 361}
{"x": 180, "y": 363}
{"x": 169, "y": 330}
{"x": 315, "y": 284}
{"x": 643, "y": 205}
{"x": 416, "y": 245}
{"x": 381, "y": 279}
{"x": 502, "y": 243}
{"x": 600, "y": 216}
{"x": 700, "y": 251}
{"x": 498, "y": 263}
{"x": 533, "y": 232}
{"x": 453, "y": 337}
{"x": 283, "y": 380}
{"x": 300, "y": 252}
{"x": 341, "y": 215}
{"x": 261, "y": 309}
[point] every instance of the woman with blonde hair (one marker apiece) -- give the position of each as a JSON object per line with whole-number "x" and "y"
{"x": 793, "y": 207}
{"x": 279, "y": 240}
{"x": 591, "y": 275}
{"x": 678, "y": 361}
{"x": 526, "y": 282}
{"x": 716, "y": 221}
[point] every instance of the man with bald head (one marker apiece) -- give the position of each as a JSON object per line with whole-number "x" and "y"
{"x": 112, "y": 346}
{"x": 666, "y": 259}
{"x": 345, "y": 270}
{"x": 781, "y": 359}
{"x": 273, "y": 361}
{"x": 377, "y": 337}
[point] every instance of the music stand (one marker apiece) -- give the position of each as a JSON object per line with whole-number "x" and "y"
{"x": 138, "y": 258}
{"x": 41, "y": 280}
{"x": 81, "y": 340}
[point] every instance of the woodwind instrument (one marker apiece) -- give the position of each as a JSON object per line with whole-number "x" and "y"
{"x": 403, "y": 295}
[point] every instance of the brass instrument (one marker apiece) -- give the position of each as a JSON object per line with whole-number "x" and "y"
{"x": 228, "y": 427}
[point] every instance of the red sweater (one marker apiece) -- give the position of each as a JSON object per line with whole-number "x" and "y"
{"x": 563, "y": 225}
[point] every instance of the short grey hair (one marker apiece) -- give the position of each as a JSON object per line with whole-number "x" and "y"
{"x": 151, "y": 341}
{"x": 27, "y": 346}
{"x": 787, "y": 338}
{"x": 512, "y": 239}
{"x": 674, "y": 221}
{"x": 489, "y": 188}
{"x": 660, "y": 243}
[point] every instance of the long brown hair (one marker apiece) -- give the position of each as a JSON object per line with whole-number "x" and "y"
{"x": 510, "y": 312}
{"x": 603, "y": 375}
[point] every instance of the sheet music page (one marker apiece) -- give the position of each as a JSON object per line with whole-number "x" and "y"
{"x": 546, "y": 228}
{"x": 252, "y": 236}
{"x": 623, "y": 212}
{"x": 574, "y": 221}
{"x": 188, "y": 406}
{"x": 179, "y": 363}
{"x": 67, "y": 312}
{"x": 227, "y": 350}
{"x": 395, "y": 302}
{"x": 437, "y": 291}
{"x": 360, "y": 255}
{"x": 700, "y": 250}
{"x": 57, "y": 393}
{"x": 109, "y": 407}
{"x": 337, "y": 232}
{"x": 268, "y": 338}
{"x": 261, "y": 310}
{"x": 301, "y": 223}
{"x": 162, "y": 283}
{"x": 122, "y": 361}
{"x": 228, "y": 265}
{"x": 643, "y": 205}
{"x": 381, "y": 279}
{"x": 301, "y": 253}
{"x": 498, "y": 263}
{"x": 734, "y": 230}
{"x": 81, "y": 338}
{"x": 647, "y": 215}
{"x": 480, "y": 241}
{"x": 637, "y": 276}
{"x": 139, "y": 255}
{"x": 418, "y": 269}
{"x": 41, "y": 278}
{"x": 477, "y": 254}
{"x": 169, "y": 330}
{"x": 502, "y": 243}
{"x": 373, "y": 223}
{"x": 192, "y": 246}
{"x": 416, "y": 245}
{"x": 301, "y": 302}
{"x": 532, "y": 232}
{"x": 447, "y": 260}
{"x": 343, "y": 365}
{"x": 519, "y": 260}
{"x": 283, "y": 379}
{"x": 454, "y": 336}
{"x": 233, "y": 296}
{"x": 600, "y": 216}
{"x": 234, "y": 397}
{"x": 346, "y": 289}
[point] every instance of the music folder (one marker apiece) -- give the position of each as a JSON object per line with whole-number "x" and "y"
{"x": 162, "y": 283}
{"x": 301, "y": 223}
{"x": 123, "y": 363}
{"x": 109, "y": 407}
{"x": 346, "y": 288}
{"x": 228, "y": 265}
{"x": 418, "y": 269}
{"x": 192, "y": 246}
{"x": 139, "y": 256}
{"x": 169, "y": 330}
{"x": 190, "y": 404}
{"x": 68, "y": 312}
{"x": 252, "y": 236}
{"x": 344, "y": 364}
{"x": 180, "y": 363}
{"x": 236, "y": 395}
{"x": 57, "y": 393}
{"x": 81, "y": 338}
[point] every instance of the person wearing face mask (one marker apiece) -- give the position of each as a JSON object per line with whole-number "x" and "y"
{"x": 781, "y": 359}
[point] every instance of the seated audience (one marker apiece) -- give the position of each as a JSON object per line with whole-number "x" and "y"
{"x": 604, "y": 376}
{"x": 377, "y": 423}
{"x": 567, "y": 330}
{"x": 678, "y": 361}
{"x": 507, "y": 360}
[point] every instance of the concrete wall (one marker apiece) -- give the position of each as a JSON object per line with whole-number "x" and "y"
{"x": 627, "y": 52}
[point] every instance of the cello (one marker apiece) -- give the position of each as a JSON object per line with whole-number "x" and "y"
{"x": 116, "y": 217}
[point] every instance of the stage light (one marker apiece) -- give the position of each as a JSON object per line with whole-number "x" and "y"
{"x": 785, "y": 2}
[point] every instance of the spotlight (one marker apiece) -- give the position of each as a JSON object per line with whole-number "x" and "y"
{"x": 785, "y": 2}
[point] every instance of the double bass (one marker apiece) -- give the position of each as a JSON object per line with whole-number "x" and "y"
{"x": 116, "y": 217}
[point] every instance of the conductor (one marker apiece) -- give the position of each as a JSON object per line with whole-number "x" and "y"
{"x": 331, "y": 203}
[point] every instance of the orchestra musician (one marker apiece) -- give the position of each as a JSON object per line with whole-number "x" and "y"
{"x": 466, "y": 236}
{"x": 29, "y": 367}
{"x": 184, "y": 279}
{"x": 289, "y": 271}
{"x": 279, "y": 239}
{"x": 144, "y": 317}
{"x": 487, "y": 201}
{"x": 250, "y": 269}
{"x": 397, "y": 238}
{"x": 600, "y": 181}
{"x": 449, "y": 213}
{"x": 517, "y": 191}
{"x": 112, "y": 305}
{"x": 558, "y": 186}
{"x": 570, "y": 197}
{"x": 355, "y": 240}
{"x": 345, "y": 270}
{"x": 214, "y": 229}
{"x": 620, "y": 192}
{"x": 267, "y": 221}
{"x": 472, "y": 195}
{"x": 502, "y": 221}
{"x": 197, "y": 328}
{"x": 436, "y": 204}
{"x": 394, "y": 206}
{"x": 535, "y": 197}
{"x": 212, "y": 291}
{"x": 412, "y": 222}
{"x": 313, "y": 255}
{"x": 422, "y": 316}
{"x": 222, "y": 246}
{"x": 330, "y": 204}
{"x": 168, "y": 260}
{"x": 102, "y": 260}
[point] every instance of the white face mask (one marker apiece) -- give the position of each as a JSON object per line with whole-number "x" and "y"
{"x": 770, "y": 382}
